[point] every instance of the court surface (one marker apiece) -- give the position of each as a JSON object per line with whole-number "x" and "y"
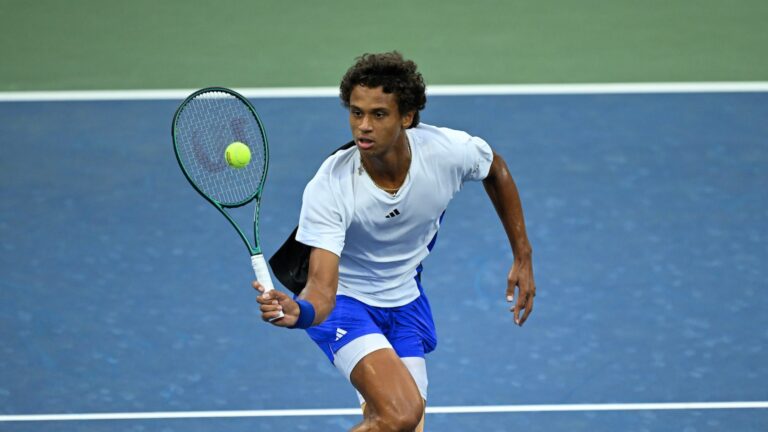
{"x": 122, "y": 291}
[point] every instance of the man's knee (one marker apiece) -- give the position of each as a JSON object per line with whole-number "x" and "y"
{"x": 405, "y": 419}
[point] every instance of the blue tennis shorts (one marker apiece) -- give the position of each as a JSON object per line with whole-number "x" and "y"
{"x": 408, "y": 328}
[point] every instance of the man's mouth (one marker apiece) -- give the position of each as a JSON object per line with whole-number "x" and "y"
{"x": 364, "y": 143}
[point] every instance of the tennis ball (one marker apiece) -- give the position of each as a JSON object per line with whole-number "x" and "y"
{"x": 237, "y": 154}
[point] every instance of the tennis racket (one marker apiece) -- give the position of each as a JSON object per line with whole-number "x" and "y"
{"x": 204, "y": 125}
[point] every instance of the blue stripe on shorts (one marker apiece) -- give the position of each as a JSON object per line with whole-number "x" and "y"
{"x": 409, "y": 328}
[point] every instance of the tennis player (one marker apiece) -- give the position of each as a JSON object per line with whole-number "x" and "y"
{"x": 371, "y": 215}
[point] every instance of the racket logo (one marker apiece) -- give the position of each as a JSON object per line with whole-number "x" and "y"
{"x": 203, "y": 158}
{"x": 210, "y": 158}
{"x": 238, "y": 128}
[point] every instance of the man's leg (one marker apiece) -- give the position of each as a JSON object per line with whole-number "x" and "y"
{"x": 393, "y": 401}
{"x": 417, "y": 366}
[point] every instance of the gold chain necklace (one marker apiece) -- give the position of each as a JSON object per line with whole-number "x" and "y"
{"x": 391, "y": 191}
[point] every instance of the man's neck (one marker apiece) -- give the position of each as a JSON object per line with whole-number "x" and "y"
{"x": 390, "y": 169}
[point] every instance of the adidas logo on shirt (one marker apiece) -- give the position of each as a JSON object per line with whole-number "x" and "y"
{"x": 340, "y": 333}
{"x": 392, "y": 214}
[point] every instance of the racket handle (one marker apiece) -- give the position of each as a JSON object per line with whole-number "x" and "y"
{"x": 262, "y": 275}
{"x": 262, "y": 271}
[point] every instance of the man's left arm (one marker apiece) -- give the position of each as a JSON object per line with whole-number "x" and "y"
{"x": 503, "y": 193}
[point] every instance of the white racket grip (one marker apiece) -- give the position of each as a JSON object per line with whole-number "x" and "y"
{"x": 262, "y": 275}
{"x": 262, "y": 272}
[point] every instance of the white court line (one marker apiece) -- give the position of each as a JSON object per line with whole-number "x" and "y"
{"x": 356, "y": 411}
{"x": 436, "y": 90}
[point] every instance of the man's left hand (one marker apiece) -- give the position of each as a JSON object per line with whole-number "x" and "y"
{"x": 521, "y": 276}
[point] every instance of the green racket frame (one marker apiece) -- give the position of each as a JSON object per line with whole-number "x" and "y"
{"x": 258, "y": 262}
{"x": 255, "y": 248}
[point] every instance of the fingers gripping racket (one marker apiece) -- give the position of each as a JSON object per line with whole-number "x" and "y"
{"x": 205, "y": 124}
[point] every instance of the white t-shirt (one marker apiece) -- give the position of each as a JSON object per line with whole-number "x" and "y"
{"x": 381, "y": 239}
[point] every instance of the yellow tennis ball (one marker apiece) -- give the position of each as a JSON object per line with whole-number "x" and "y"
{"x": 237, "y": 154}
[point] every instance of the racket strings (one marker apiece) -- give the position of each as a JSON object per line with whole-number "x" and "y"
{"x": 204, "y": 128}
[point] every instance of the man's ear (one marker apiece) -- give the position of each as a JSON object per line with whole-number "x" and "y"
{"x": 408, "y": 119}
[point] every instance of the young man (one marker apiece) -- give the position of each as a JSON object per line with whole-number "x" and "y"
{"x": 371, "y": 215}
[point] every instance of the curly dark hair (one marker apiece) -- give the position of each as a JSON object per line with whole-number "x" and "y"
{"x": 392, "y": 72}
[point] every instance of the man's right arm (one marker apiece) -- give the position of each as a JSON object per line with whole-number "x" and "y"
{"x": 322, "y": 282}
{"x": 320, "y": 292}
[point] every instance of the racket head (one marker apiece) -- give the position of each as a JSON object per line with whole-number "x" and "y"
{"x": 203, "y": 126}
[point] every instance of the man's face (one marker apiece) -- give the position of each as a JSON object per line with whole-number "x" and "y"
{"x": 376, "y": 122}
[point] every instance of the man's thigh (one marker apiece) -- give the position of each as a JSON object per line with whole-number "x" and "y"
{"x": 386, "y": 385}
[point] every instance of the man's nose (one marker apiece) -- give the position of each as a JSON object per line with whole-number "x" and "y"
{"x": 365, "y": 124}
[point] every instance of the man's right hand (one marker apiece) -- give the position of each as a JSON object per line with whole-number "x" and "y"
{"x": 272, "y": 303}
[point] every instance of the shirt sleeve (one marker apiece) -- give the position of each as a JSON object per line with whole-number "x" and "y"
{"x": 477, "y": 159}
{"x": 322, "y": 223}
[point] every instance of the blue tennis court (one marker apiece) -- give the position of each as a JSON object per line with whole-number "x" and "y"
{"x": 122, "y": 291}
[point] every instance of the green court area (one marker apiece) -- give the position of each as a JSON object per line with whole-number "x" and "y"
{"x": 97, "y": 44}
